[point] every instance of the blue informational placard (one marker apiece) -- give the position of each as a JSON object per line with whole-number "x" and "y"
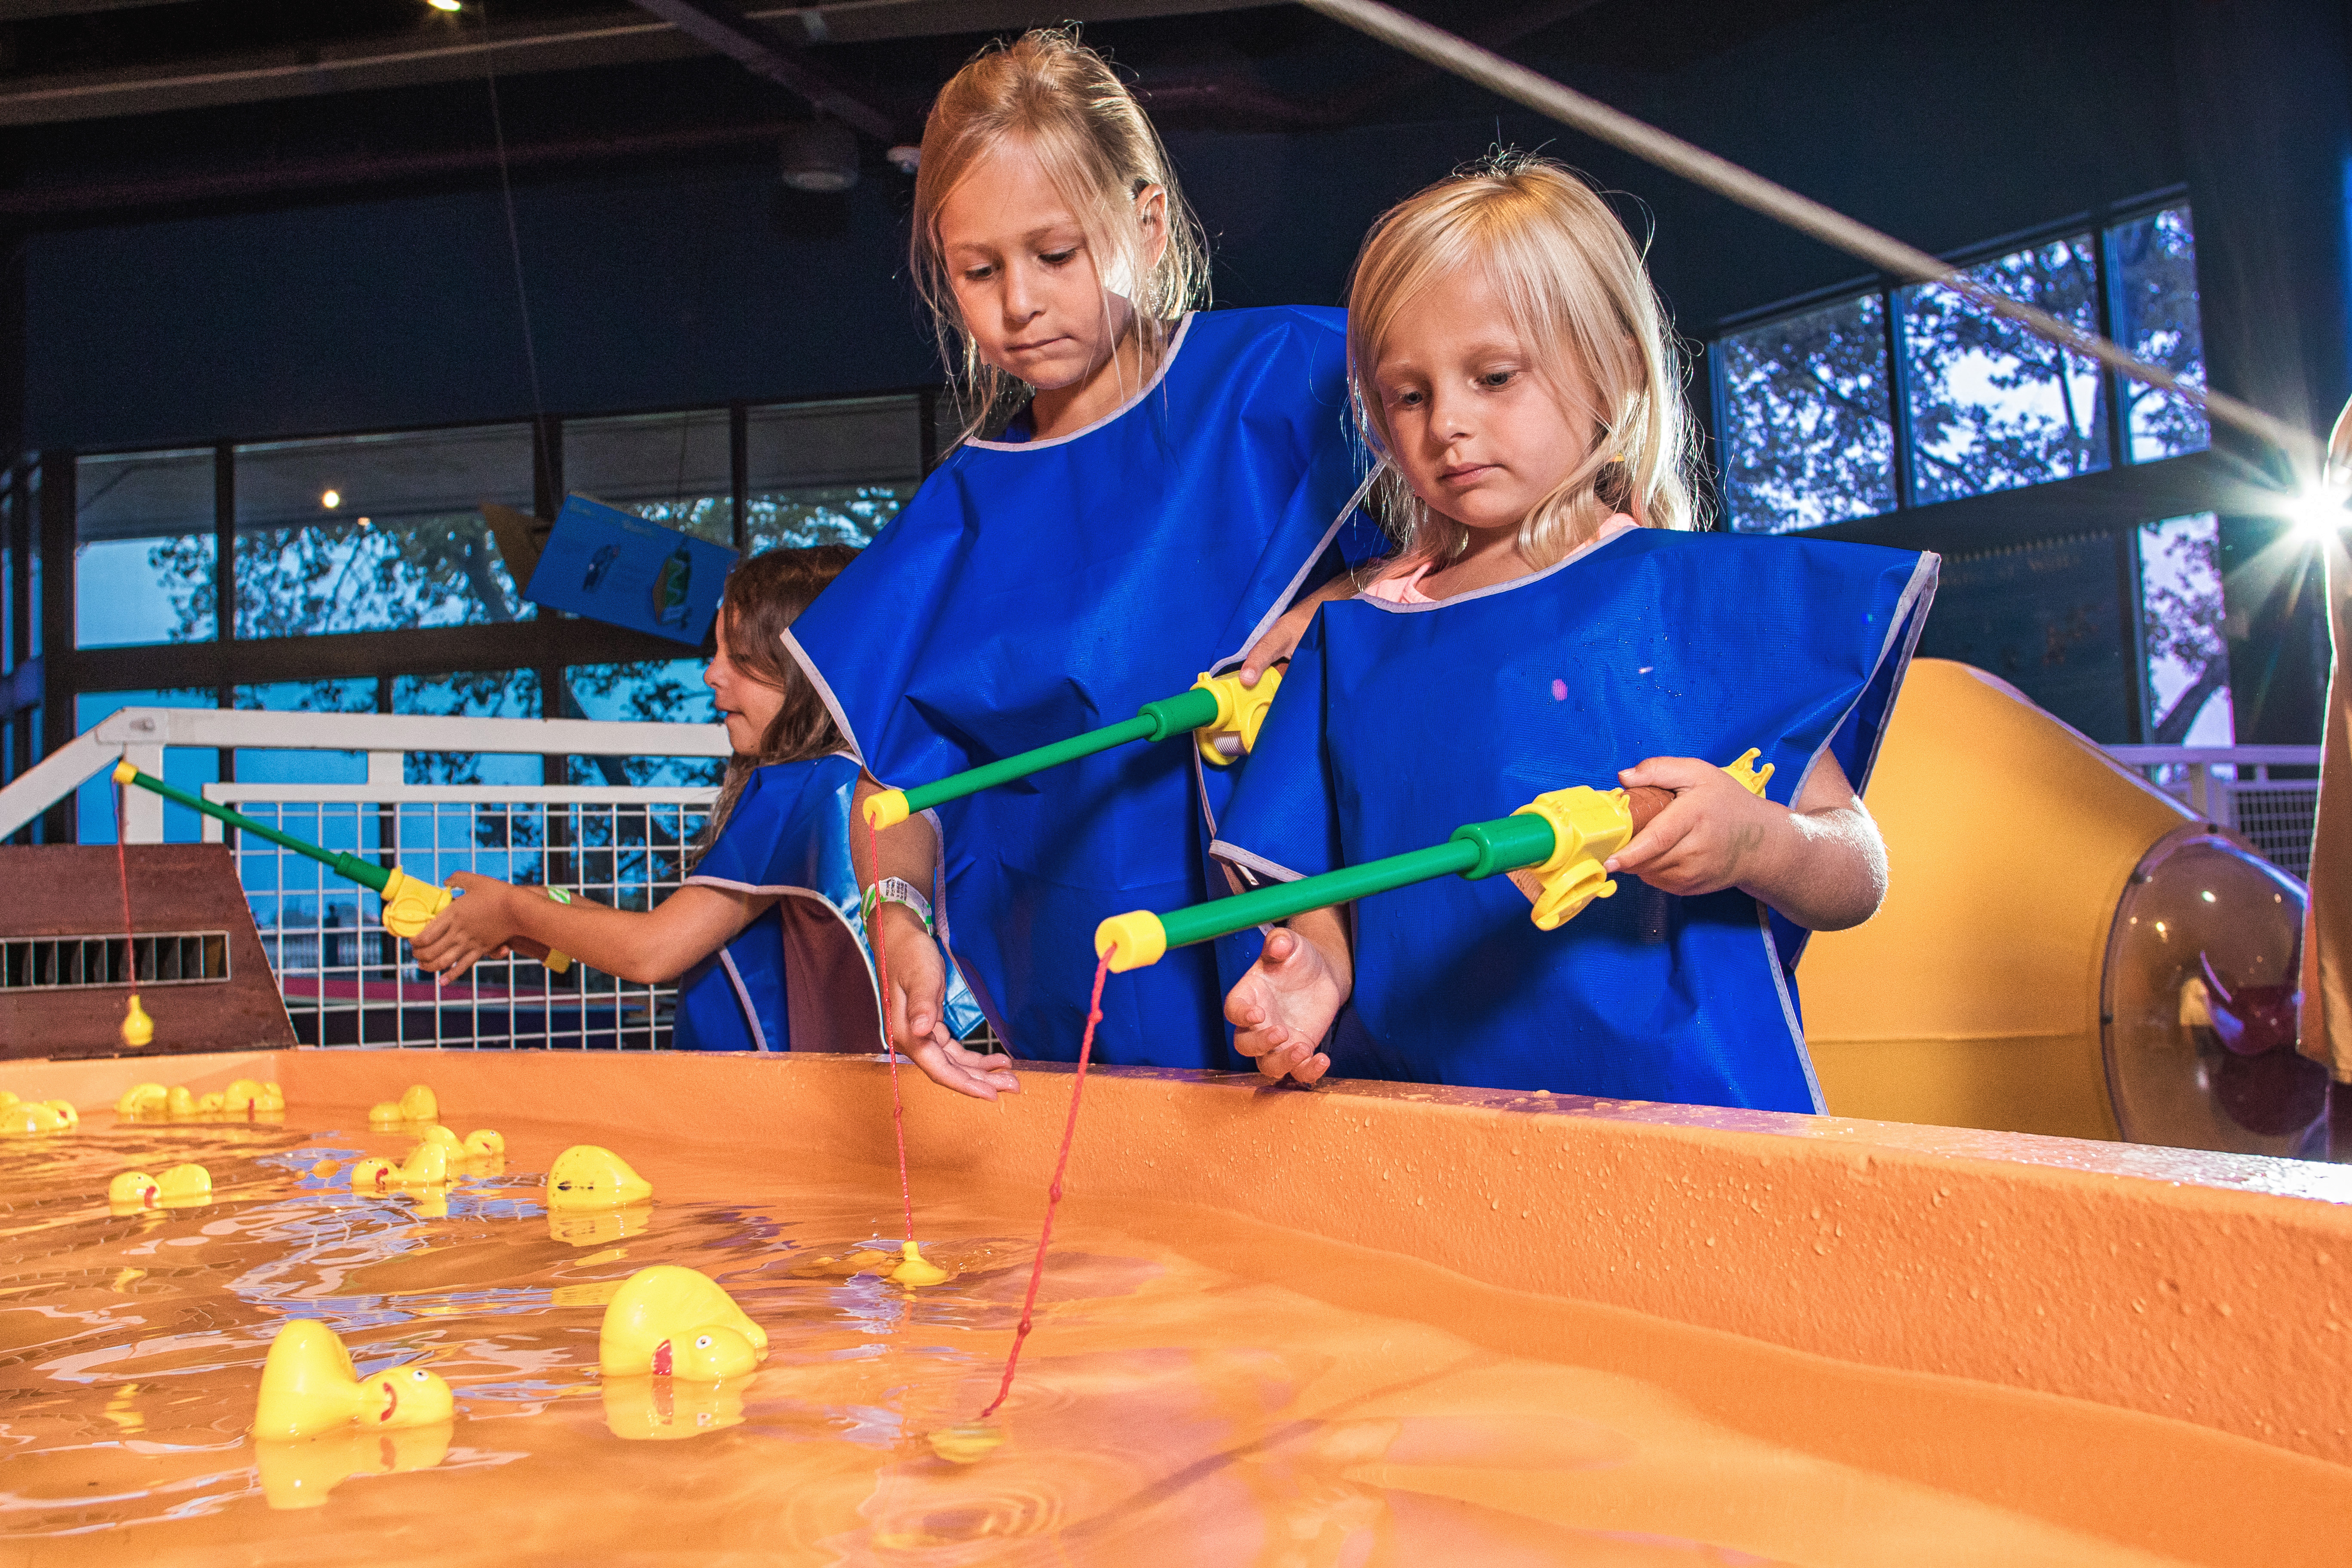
{"x": 615, "y": 567}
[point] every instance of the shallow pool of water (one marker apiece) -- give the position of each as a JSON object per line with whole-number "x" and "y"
{"x": 1199, "y": 1390}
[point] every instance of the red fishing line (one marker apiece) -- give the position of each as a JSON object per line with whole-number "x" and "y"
{"x": 889, "y": 1047}
{"x": 123, "y": 868}
{"x": 1054, "y": 1193}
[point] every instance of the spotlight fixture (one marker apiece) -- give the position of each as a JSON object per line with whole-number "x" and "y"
{"x": 446, "y": 4}
{"x": 330, "y": 500}
{"x": 820, "y": 156}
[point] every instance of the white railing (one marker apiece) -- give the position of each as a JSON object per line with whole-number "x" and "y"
{"x": 2237, "y": 787}
{"x": 345, "y": 980}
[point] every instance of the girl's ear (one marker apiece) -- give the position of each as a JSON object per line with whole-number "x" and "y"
{"x": 1151, "y": 213}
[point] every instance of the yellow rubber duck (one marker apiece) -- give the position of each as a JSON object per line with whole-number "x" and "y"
{"x": 216, "y": 1100}
{"x": 7, "y": 1098}
{"x": 65, "y": 1108}
{"x": 180, "y": 1186}
{"x": 428, "y": 1165}
{"x": 251, "y": 1095}
{"x": 914, "y": 1268}
{"x": 178, "y": 1101}
{"x": 29, "y": 1117}
{"x": 668, "y": 1322}
{"x": 418, "y": 1104}
{"x": 373, "y": 1176}
{"x": 482, "y": 1142}
{"x": 308, "y": 1387}
{"x": 301, "y": 1475}
{"x": 585, "y": 1176}
{"x": 142, "y": 1100}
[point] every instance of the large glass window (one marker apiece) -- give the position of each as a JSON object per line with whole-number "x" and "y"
{"x": 1809, "y": 434}
{"x": 267, "y": 765}
{"x": 2181, "y": 617}
{"x": 653, "y": 692}
{"x": 671, "y": 469}
{"x": 2154, "y": 260}
{"x": 830, "y": 473}
{"x": 1993, "y": 406}
{"x": 493, "y": 694}
{"x": 377, "y": 532}
{"x": 143, "y": 537}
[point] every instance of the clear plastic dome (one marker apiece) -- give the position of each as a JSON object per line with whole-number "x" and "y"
{"x": 2198, "y": 1004}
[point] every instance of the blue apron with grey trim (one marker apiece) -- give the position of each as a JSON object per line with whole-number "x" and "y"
{"x": 1399, "y": 723}
{"x": 1032, "y": 590}
{"x": 788, "y": 838}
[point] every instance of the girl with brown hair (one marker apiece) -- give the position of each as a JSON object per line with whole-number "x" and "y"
{"x": 765, "y": 939}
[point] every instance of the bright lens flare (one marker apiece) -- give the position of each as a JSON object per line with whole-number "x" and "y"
{"x": 330, "y": 500}
{"x": 2316, "y": 514}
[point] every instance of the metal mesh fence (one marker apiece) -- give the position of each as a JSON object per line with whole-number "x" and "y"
{"x": 348, "y": 981}
{"x": 2277, "y": 816}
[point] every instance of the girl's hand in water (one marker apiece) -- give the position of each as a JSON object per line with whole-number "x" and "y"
{"x": 917, "y": 1006}
{"x": 1283, "y": 1007}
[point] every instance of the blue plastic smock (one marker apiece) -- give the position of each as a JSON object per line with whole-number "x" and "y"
{"x": 1397, "y": 722}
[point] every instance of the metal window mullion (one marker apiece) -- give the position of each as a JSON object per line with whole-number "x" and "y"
{"x": 224, "y": 590}
{"x": 739, "y": 472}
{"x": 2106, "y": 287}
{"x": 1899, "y": 397}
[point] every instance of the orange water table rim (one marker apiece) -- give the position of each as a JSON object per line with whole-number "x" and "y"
{"x": 2214, "y": 1289}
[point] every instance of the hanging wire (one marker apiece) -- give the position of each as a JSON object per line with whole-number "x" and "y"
{"x": 514, "y": 236}
{"x": 1751, "y": 190}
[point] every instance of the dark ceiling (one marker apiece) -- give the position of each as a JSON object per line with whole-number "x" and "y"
{"x": 111, "y": 109}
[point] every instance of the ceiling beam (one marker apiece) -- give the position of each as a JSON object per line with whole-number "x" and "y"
{"x": 518, "y": 48}
{"x": 34, "y": 10}
{"x": 759, "y": 49}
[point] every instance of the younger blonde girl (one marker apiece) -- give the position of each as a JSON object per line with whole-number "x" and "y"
{"x": 1551, "y": 615}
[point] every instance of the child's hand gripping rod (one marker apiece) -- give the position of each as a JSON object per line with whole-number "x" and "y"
{"x": 1217, "y": 707}
{"x": 409, "y": 905}
{"x": 1559, "y": 839}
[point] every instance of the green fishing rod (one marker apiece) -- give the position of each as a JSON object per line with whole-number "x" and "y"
{"x": 1557, "y": 843}
{"x": 409, "y": 903}
{"x": 1217, "y": 707}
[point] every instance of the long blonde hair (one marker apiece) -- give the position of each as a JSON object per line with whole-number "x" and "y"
{"x": 1577, "y": 295}
{"x": 1100, "y": 153}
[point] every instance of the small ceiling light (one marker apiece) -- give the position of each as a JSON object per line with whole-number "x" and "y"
{"x": 445, "y": 5}
{"x": 904, "y": 159}
{"x": 332, "y": 499}
{"x": 821, "y": 156}
{"x": 364, "y": 523}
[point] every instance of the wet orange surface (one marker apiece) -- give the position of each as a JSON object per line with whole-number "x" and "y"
{"x": 1202, "y": 1389}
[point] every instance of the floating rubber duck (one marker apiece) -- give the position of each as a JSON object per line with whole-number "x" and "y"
{"x": 585, "y": 1176}
{"x": 967, "y": 1443}
{"x": 180, "y": 1186}
{"x": 65, "y": 1108}
{"x": 142, "y": 1100}
{"x": 29, "y": 1117}
{"x": 7, "y": 1098}
{"x": 428, "y": 1165}
{"x": 914, "y": 1268}
{"x": 250, "y": 1095}
{"x": 301, "y": 1474}
{"x": 216, "y": 1100}
{"x": 178, "y": 1101}
{"x": 418, "y": 1104}
{"x": 668, "y": 1322}
{"x": 308, "y": 1387}
{"x": 482, "y": 1144}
